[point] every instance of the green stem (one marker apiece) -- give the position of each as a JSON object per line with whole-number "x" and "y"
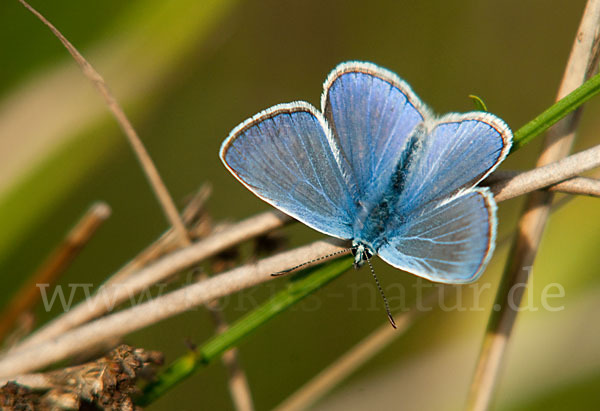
{"x": 556, "y": 112}
{"x": 296, "y": 290}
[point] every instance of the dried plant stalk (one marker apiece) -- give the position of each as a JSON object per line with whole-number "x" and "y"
{"x": 26, "y": 298}
{"x": 581, "y": 64}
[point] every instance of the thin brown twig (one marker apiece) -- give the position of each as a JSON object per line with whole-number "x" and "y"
{"x": 239, "y": 388}
{"x": 237, "y": 381}
{"x": 195, "y": 224}
{"x": 582, "y": 62}
{"x": 158, "y": 186}
{"x": 582, "y": 186}
{"x": 576, "y": 185}
{"x": 76, "y": 239}
{"x": 356, "y": 357}
{"x": 546, "y": 175}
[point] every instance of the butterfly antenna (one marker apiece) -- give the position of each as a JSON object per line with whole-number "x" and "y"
{"x": 387, "y": 307}
{"x": 289, "y": 270}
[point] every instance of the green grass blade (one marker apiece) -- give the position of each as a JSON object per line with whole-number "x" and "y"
{"x": 296, "y": 290}
{"x": 556, "y": 112}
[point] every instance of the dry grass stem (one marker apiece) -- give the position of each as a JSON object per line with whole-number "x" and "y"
{"x": 585, "y": 186}
{"x": 582, "y": 63}
{"x": 579, "y": 186}
{"x": 352, "y": 360}
{"x": 196, "y": 223}
{"x": 29, "y": 295}
{"x": 547, "y": 175}
{"x": 158, "y": 186}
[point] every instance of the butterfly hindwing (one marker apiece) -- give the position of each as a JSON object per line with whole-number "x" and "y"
{"x": 285, "y": 156}
{"x": 448, "y": 241}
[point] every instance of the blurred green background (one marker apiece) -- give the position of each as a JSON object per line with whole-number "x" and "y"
{"x": 187, "y": 72}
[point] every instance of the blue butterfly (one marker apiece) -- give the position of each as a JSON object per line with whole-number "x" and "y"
{"x": 377, "y": 167}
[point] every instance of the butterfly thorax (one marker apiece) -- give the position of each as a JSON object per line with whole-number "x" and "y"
{"x": 379, "y": 215}
{"x": 371, "y": 224}
{"x": 361, "y": 252}
{"x": 374, "y": 224}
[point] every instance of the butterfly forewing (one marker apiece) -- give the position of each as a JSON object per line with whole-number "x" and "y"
{"x": 285, "y": 157}
{"x": 371, "y": 113}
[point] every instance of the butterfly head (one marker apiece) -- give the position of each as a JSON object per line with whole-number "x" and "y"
{"x": 362, "y": 252}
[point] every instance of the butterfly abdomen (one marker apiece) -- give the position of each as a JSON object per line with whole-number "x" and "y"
{"x": 409, "y": 156}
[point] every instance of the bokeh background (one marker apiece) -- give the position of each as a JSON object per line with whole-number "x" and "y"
{"x": 187, "y": 72}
